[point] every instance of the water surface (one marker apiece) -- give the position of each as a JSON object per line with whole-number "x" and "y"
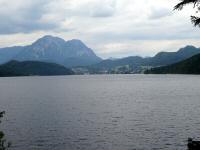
{"x": 103, "y": 112}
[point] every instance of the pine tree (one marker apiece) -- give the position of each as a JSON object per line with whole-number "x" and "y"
{"x": 195, "y": 20}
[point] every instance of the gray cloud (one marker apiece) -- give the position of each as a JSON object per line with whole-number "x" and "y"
{"x": 106, "y": 10}
{"x": 99, "y": 23}
{"x": 157, "y": 13}
{"x": 24, "y": 17}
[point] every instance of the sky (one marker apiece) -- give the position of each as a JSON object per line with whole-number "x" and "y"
{"x": 112, "y": 28}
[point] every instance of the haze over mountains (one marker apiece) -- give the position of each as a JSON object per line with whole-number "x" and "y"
{"x": 75, "y": 54}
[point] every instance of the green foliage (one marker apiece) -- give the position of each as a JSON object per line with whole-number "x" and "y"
{"x": 195, "y": 20}
{"x": 4, "y": 145}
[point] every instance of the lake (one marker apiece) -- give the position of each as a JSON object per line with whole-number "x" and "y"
{"x": 101, "y": 112}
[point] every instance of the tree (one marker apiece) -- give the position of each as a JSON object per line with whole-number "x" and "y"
{"x": 195, "y": 20}
{"x": 3, "y": 143}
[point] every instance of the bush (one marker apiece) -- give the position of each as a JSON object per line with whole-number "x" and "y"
{"x": 4, "y": 145}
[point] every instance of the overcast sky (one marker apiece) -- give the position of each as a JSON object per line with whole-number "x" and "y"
{"x": 112, "y": 28}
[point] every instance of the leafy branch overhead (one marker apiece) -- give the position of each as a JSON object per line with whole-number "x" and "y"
{"x": 196, "y": 3}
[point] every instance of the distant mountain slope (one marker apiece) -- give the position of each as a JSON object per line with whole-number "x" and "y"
{"x": 188, "y": 66}
{"x": 108, "y": 64}
{"x": 166, "y": 58}
{"x": 28, "y": 68}
{"x": 161, "y": 59}
{"x": 8, "y": 53}
{"x": 52, "y": 49}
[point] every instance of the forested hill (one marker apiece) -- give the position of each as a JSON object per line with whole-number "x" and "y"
{"x": 29, "y": 68}
{"x": 188, "y": 66}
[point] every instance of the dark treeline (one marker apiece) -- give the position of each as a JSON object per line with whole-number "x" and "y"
{"x": 188, "y": 66}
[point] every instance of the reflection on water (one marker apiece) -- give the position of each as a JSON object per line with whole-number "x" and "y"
{"x": 111, "y": 112}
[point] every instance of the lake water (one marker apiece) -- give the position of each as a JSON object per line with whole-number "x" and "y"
{"x": 103, "y": 112}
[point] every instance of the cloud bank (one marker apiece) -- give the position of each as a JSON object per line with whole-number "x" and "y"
{"x": 114, "y": 28}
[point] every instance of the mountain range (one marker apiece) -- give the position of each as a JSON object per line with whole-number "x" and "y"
{"x": 137, "y": 64}
{"x": 52, "y": 49}
{"x": 76, "y": 55}
{"x": 188, "y": 66}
